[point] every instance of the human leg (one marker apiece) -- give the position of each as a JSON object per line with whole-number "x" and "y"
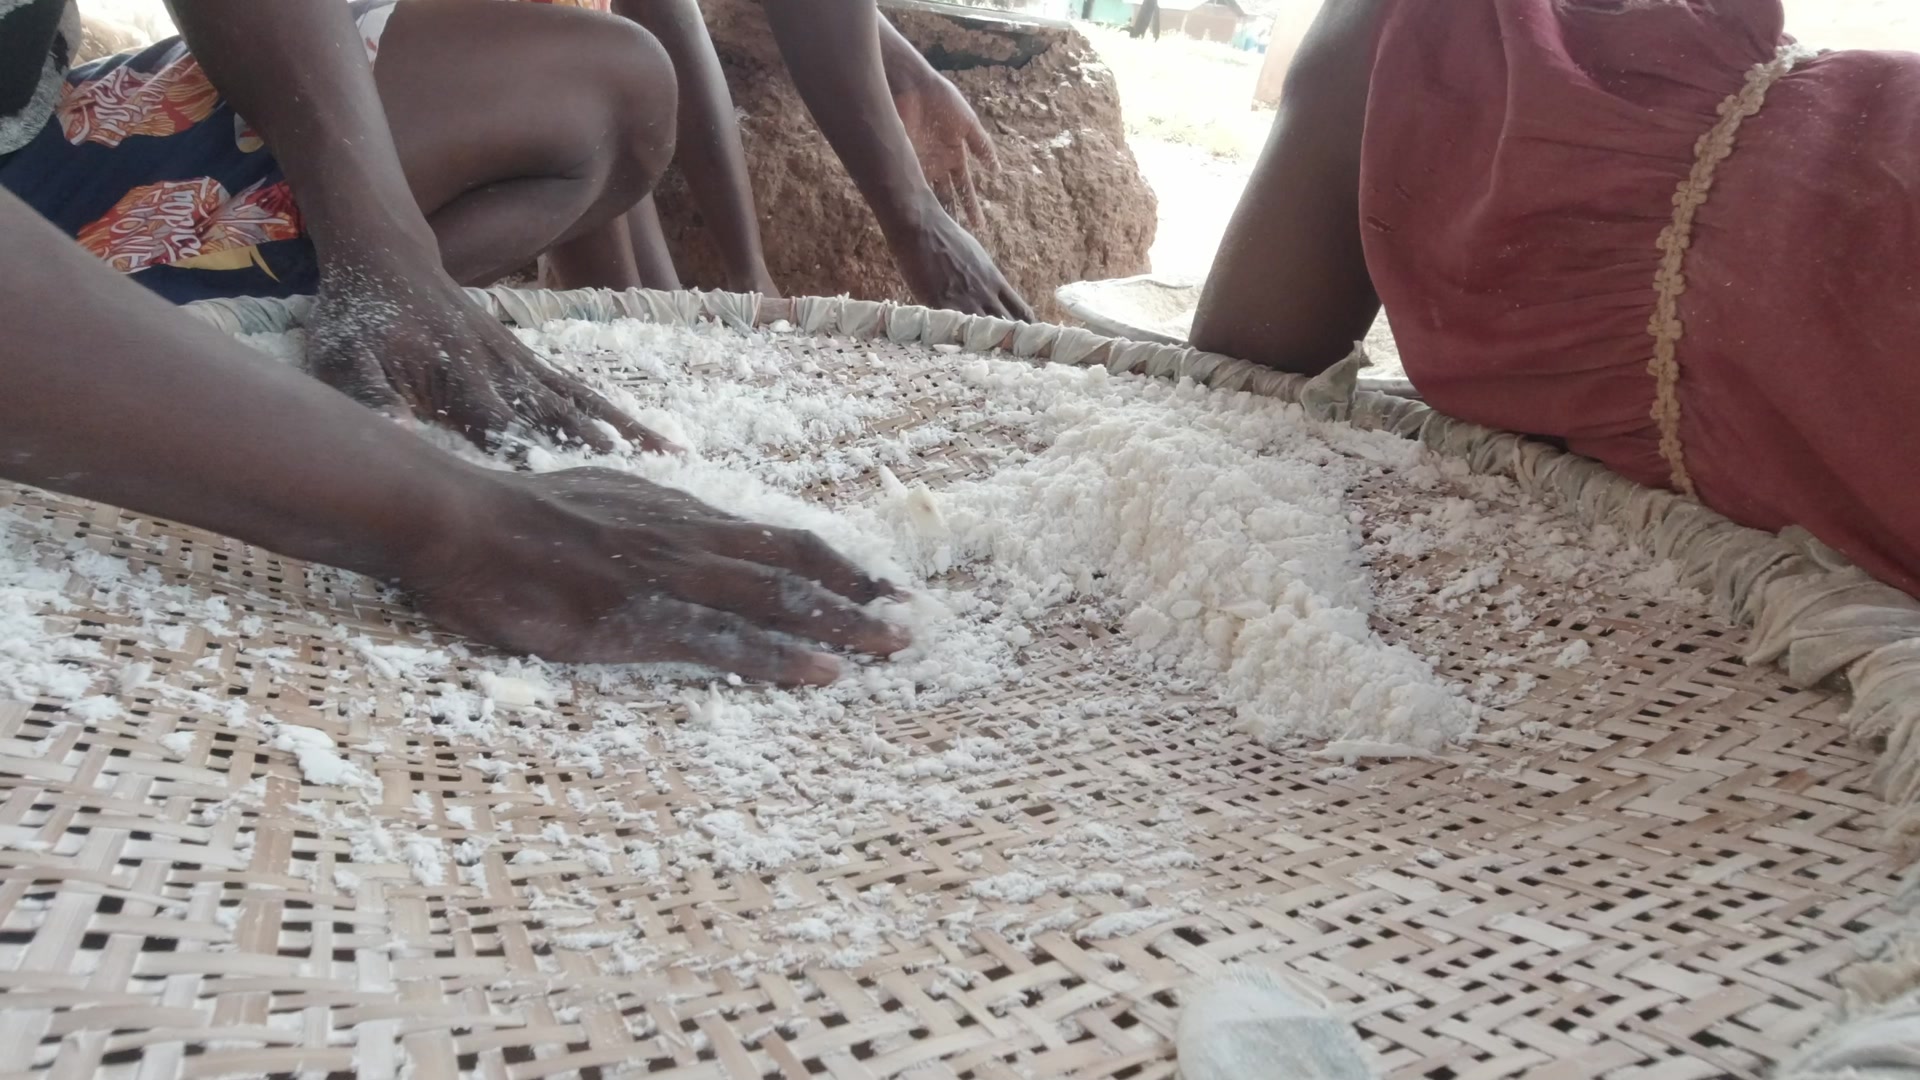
{"x": 523, "y": 126}
{"x": 600, "y": 259}
{"x": 710, "y": 152}
{"x": 518, "y": 127}
{"x": 628, "y": 252}
{"x": 1289, "y": 287}
{"x": 649, "y": 243}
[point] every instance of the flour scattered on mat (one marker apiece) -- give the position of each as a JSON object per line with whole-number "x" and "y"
{"x": 1210, "y": 528}
{"x": 1473, "y": 558}
{"x": 34, "y": 662}
{"x": 1215, "y": 528}
{"x": 1178, "y": 560}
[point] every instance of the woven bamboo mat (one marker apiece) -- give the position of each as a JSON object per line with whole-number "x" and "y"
{"x": 1653, "y": 867}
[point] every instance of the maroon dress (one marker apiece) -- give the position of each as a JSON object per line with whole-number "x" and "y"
{"x": 1539, "y": 174}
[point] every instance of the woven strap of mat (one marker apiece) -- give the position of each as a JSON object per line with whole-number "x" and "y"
{"x": 1810, "y": 610}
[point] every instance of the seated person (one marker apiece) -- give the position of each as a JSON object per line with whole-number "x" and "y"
{"x": 888, "y": 114}
{"x": 943, "y": 265}
{"x": 382, "y": 188}
{"x": 107, "y": 393}
{"x": 1660, "y": 232}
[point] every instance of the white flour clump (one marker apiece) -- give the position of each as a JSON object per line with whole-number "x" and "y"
{"x": 1214, "y": 526}
{"x": 319, "y": 757}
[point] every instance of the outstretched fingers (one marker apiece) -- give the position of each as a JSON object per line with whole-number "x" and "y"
{"x": 593, "y": 406}
{"x": 478, "y": 411}
{"x": 558, "y": 416}
{"x": 1016, "y": 306}
{"x": 796, "y": 551}
{"x": 982, "y": 146}
{"x": 970, "y": 194}
{"x": 986, "y": 300}
{"x": 781, "y": 600}
{"x": 659, "y": 629}
{"x": 359, "y": 375}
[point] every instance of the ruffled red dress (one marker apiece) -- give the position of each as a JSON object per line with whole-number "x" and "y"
{"x": 1661, "y": 231}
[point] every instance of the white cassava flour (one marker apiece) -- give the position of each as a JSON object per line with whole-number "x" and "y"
{"x": 1107, "y": 562}
{"x": 1210, "y": 528}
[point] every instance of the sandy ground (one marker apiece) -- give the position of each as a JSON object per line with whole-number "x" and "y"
{"x": 1190, "y": 124}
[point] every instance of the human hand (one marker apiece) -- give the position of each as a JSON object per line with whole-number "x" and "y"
{"x": 598, "y": 566}
{"x": 174, "y": 419}
{"x": 406, "y": 340}
{"x": 946, "y": 267}
{"x": 947, "y": 136}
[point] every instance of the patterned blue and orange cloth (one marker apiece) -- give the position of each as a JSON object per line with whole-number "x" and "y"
{"x": 151, "y": 170}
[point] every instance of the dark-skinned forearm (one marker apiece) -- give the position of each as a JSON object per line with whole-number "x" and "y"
{"x": 298, "y": 71}
{"x": 832, "y": 50}
{"x": 108, "y": 393}
{"x": 898, "y": 57}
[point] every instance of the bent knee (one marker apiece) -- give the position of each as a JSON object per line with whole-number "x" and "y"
{"x": 635, "y": 72}
{"x": 483, "y": 93}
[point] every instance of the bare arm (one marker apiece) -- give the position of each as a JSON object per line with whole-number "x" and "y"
{"x": 298, "y": 73}
{"x": 1289, "y": 287}
{"x": 946, "y": 133}
{"x": 832, "y": 50}
{"x": 109, "y": 394}
{"x": 901, "y": 60}
{"x": 393, "y": 329}
{"x": 709, "y": 150}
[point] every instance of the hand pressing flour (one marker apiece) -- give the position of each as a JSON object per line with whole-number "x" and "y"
{"x": 407, "y": 341}
{"x": 598, "y": 566}
{"x": 170, "y": 418}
